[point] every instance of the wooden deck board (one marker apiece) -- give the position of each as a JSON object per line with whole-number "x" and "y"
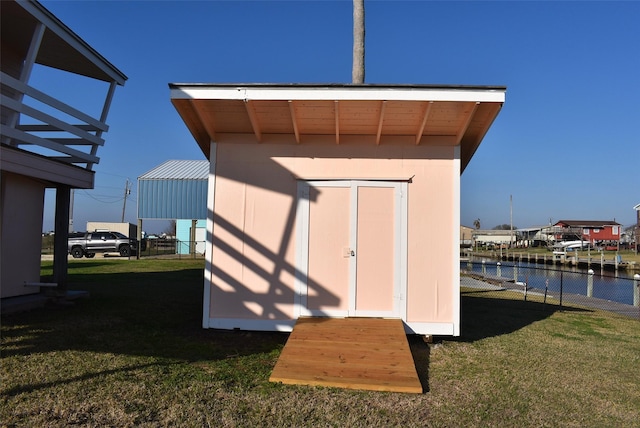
{"x": 354, "y": 353}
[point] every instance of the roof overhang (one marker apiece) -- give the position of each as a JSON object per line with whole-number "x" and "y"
{"x": 60, "y": 48}
{"x": 339, "y": 114}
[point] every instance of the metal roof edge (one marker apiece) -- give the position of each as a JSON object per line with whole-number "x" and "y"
{"x": 188, "y": 168}
{"x": 339, "y": 85}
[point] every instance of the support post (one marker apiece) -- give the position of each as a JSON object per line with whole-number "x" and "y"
{"x": 192, "y": 238}
{"x": 636, "y": 290}
{"x": 27, "y": 67}
{"x": 499, "y": 270}
{"x": 139, "y": 238}
{"x": 484, "y": 268}
{"x": 561, "y": 285}
{"x": 590, "y": 283}
{"x": 60, "y": 240}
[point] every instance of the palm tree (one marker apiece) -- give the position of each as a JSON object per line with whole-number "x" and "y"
{"x": 357, "y": 72}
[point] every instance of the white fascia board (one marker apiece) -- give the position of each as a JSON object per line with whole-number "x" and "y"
{"x": 337, "y": 94}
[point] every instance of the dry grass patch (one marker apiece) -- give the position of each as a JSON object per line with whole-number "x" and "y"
{"x": 134, "y": 354}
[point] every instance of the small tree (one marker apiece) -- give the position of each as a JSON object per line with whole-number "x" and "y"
{"x": 504, "y": 227}
{"x": 476, "y": 223}
{"x": 171, "y": 229}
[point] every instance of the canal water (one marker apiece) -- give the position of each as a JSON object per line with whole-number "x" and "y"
{"x": 606, "y": 284}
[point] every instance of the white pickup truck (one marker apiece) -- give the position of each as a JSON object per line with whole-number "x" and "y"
{"x": 89, "y": 243}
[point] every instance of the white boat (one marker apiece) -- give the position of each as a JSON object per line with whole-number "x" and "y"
{"x": 570, "y": 245}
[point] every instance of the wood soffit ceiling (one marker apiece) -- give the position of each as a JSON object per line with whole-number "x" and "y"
{"x": 339, "y": 121}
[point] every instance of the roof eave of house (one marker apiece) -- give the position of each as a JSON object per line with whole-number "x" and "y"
{"x": 589, "y": 223}
{"x": 86, "y": 60}
{"x": 465, "y": 113}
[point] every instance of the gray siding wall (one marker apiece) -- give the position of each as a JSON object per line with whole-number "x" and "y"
{"x": 20, "y": 233}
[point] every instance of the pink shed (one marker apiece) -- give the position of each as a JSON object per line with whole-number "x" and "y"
{"x": 334, "y": 200}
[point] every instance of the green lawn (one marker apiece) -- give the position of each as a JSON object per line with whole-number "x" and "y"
{"x": 134, "y": 354}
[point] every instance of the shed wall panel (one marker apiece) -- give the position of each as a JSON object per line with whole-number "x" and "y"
{"x": 254, "y": 223}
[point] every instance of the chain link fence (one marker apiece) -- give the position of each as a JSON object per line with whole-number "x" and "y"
{"x": 551, "y": 286}
{"x": 173, "y": 248}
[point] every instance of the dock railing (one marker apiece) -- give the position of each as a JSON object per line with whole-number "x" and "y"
{"x": 552, "y": 288}
{"x": 587, "y": 259}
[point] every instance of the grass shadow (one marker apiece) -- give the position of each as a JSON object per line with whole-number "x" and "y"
{"x": 483, "y": 316}
{"x": 28, "y": 388}
{"x": 153, "y": 314}
{"x": 421, "y": 353}
{"x": 159, "y": 314}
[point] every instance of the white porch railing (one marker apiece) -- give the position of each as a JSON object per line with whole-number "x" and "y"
{"x": 50, "y": 134}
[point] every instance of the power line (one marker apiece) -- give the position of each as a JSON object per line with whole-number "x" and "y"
{"x": 95, "y": 198}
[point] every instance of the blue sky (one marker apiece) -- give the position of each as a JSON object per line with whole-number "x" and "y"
{"x": 566, "y": 144}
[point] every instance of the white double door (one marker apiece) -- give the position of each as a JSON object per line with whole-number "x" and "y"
{"x": 351, "y": 248}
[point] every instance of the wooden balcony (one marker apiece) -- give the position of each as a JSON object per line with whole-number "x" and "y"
{"x": 42, "y": 136}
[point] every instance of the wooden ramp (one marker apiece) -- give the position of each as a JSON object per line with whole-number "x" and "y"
{"x": 354, "y": 353}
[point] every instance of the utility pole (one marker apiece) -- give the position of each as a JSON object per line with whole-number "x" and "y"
{"x": 127, "y": 192}
{"x": 357, "y": 71}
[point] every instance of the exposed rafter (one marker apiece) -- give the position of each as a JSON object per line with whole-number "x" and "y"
{"x": 468, "y": 150}
{"x": 383, "y": 106}
{"x": 253, "y": 118}
{"x": 487, "y": 124}
{"x": 208, "y": 122}
{"x": 294, "y": 120}
{"x": 467, "y": 121}
{"x": 423, "y": 124}
{"x": 336, "y": 104}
